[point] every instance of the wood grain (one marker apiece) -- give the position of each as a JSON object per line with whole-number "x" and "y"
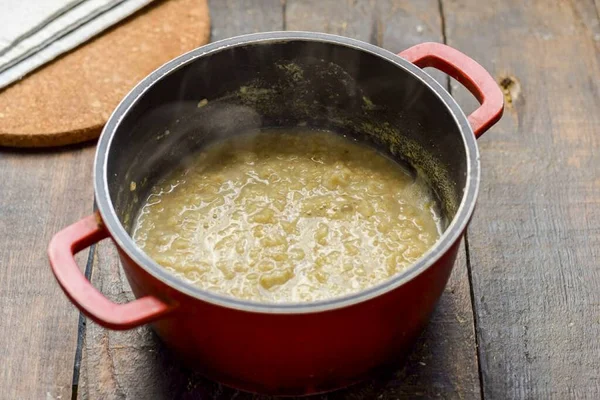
{"x": 233, "y": 18}
{"x": 40, "y": 193}
{"x": 534, "y": 243}
{"x": 135, "y": 365}
{"x": 391, "y": 24}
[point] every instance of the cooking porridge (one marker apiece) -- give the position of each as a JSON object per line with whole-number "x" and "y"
{"x": 287, "y": 216}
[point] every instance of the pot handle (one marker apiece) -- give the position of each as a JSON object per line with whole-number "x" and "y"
{"x": 468, "y": 72}
{"x": 74, "y": 238}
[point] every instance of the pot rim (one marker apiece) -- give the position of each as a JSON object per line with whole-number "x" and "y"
{"x": 119, "y": 235}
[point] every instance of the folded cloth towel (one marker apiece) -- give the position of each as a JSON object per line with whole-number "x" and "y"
{"x": 58, "y": 30}
{"x": 21, "y": 18}
{"x": 62, "y": 24}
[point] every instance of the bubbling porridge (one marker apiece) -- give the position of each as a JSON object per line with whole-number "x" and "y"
{"x": 286, "y": 216}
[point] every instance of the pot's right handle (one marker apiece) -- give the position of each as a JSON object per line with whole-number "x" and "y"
{"x": 74, "y": 238}
{"x": 468, "y": 72}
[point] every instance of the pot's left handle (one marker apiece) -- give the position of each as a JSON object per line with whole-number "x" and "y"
{"x": 63, "y": 246}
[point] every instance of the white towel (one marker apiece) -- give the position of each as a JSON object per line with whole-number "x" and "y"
{"x": 31, "y": 36}
{"x": 20, "y": 18}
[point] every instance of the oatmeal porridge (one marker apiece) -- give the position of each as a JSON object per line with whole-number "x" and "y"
{"x": 287, "y": 216}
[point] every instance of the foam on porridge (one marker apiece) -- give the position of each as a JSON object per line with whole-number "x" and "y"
{"x": 287, "y": 216}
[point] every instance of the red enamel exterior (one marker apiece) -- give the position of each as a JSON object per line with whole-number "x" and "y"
{"x": 243, "y": 349}
{"x": 331, "y": 348}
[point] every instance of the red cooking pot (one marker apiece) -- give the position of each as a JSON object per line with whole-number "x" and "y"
{"x": 268, "y": 80}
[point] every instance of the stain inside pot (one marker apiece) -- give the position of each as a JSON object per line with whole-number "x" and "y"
{"x": 288, "y": 215}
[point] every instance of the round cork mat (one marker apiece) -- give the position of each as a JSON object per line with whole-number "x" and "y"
{"x": 69, "y": 100}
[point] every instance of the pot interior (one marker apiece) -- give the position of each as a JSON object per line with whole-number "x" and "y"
{"x": 285, "y": 83}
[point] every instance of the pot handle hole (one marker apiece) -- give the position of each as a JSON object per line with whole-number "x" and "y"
{"x": 469, "y": 73}
{"x": 61, "y": 251}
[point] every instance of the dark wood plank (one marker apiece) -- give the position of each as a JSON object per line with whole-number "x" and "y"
{"x": 384, "y": 23}
{"x": 232, "y": 18}
{"x": 391, "y": 24}
{"x": 134, "y": 365}
{"x": 534, "y": 243}
{"x": 40, "y": 193}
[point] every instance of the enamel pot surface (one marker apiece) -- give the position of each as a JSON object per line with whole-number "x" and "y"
{"x": 283, "y": 79}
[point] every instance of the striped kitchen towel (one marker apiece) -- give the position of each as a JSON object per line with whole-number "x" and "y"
{"x": 33, "y": 33}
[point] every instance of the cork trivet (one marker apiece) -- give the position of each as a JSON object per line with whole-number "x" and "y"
{"x": 69, "y": 100}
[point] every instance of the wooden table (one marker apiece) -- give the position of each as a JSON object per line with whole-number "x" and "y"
{"x": 520, "y": 317}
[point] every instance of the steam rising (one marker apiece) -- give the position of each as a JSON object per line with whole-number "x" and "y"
{"x": 236, "y": 91}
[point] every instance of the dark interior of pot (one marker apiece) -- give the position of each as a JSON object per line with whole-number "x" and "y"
{"x": 286, "y": 83}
